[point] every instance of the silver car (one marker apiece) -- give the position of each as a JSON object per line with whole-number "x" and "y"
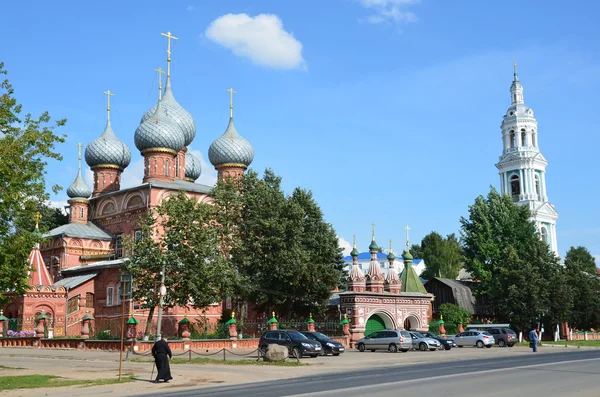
{"x": 423, "y": 343}
{"x": 391, "y": 340}
{"x": 474, "y": 338}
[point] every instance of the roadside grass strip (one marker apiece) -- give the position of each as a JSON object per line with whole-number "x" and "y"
{"x": 37, "y": 381}
{"x": 575, "y": 343}
{"x": 204, "y": 360}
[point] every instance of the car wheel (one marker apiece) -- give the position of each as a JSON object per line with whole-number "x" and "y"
{"x": 392, "y": 348}
{"x": 447, "y": 347}
{"x": 296, "y": 352}
{"x": 423, "y": 346}
{"x": 372, "y": 350}
{"x": 501, "y": 343}
{"x": 361, "y": 347}
{"x": 511, "y": 345}
{"x": 335, "y": 354}
{"x": 313, "y": 355}
{"x": 460, "y": 346}
{"x": 404, "y": 350}
{"x": 479, "y": 344}
{"x": 488, "y": 346}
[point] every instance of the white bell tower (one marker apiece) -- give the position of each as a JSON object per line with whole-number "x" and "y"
{"x": 522, "y": 167}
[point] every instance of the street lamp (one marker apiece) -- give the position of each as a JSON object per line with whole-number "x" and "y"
{"x": 162, "y": 292}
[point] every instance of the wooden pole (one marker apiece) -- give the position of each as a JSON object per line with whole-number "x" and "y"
{"x": 122, "y": 329}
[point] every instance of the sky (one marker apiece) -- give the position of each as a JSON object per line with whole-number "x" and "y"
{"x": 389, "y": 111}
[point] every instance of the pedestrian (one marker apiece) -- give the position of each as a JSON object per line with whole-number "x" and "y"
{"x": 162, "y": 353}
{"x": 533, "y": 338}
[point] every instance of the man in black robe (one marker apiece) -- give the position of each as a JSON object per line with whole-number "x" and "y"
{"x": 162, "y": 353}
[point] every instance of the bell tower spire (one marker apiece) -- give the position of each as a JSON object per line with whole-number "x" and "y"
{"x": 522, "y": 167}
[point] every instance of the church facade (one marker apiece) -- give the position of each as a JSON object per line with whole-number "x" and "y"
{"x": 522, "y": 167}
{"x": 81, "y": 261}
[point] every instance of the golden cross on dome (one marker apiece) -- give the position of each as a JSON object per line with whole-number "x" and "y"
{"x": 373, "y": 230}
{"x": 231, "y": 92}
{"x": 79, "y": 146}
{"x": 160, "y": 72}
{"x": 169, "y": 36}
{"x": 354, "y": 244}
{"x": 390, "y": 245}
{"x": 108, "y": 94}
{"x": 37, "y": 218}
{"x": 515, "y": 64}
{"x": 407, "y": 243}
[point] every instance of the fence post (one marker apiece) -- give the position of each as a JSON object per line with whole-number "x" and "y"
{"x": 190, "y": 354}
{"x": 224, "y": 354}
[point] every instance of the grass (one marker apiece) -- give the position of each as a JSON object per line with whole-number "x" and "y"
{"x": 5, "y": 367}
{"x": 205, "y": 360}
{"x": 37, "y": 381}
{"x": 575, "y": 343}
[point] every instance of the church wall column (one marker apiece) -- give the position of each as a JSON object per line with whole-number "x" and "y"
{"x": 554, "y": 241}
{"x": 543, "y": 181}
{"x": 521, "y": 181}
{"x": 506, "y": 185}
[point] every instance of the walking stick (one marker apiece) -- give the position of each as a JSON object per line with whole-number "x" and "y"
{"x": 152, "y": 374}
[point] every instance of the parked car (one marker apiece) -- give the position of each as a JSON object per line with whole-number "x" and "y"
{"x": 447, "y": 344}
{"x": 391, "y": 340}
{"x": 423, "y": 343}
{"x": 329, "y": 346}
{"x": 503, "y": 336}
{"x": 297, "y": 344}
{"x": 474, "y": 338}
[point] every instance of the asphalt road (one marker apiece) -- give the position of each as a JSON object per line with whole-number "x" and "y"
{"x": 557, "y": 374}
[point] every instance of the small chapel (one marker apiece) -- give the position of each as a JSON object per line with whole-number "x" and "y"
{"x": 76, "y": 274}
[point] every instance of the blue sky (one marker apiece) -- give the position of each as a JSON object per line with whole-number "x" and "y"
{"x": 388, "y": 110}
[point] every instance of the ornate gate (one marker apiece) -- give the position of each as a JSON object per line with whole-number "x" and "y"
{"x": 374, "y": 323}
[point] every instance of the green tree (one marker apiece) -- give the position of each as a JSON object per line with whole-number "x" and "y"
{"x": 416, "y": 251}
{"x": 287, "y": 257}
{"x": 443, "y": 256}
{"x": 585, "y": 260}
{"x": 26, "y": 144}
{"x": 515, "y": 268}
{"x": 455, "y": 314}
{"x": 585, "y": 286}
{"x": 196, "y": 273}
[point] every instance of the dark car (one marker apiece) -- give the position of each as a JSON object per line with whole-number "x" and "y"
{"x": 503, "y": 336}
{"x": 329, "y": 346}
{"x": 446, "y": 343}
{"x": 298, "y": 345}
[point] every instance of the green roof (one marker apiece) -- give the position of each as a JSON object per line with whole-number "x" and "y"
{"x": 410, "y": 279}
{"x": 132, "y": 320}
{"x": 373, "y": 246}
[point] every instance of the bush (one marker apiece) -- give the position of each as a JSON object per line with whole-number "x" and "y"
{"x": 451, "y": 329}
{"x": 104, "y": 335}
{"x": 454, "y": 314}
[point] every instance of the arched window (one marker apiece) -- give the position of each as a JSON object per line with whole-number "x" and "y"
{"x": 110, "y": 293}
{"x": 177, "y": 166}
{"x": 515, "y": 187}
{"x": 512, "y": 139}
{"x": 534, "y": 139}
{"x": 538, "y": 191}
{"x": 523, "y": 138}
{"x": 167, "y": 167}
{"x": 82, "y": 212}
{"x": 544, "y": 234}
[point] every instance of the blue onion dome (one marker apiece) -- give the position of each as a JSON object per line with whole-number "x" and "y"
{"x": 231, "y": 148}
{"x": 158, "y": 132}
{"x": 79, "y": 189}
{"x": 193, "y": 168}
{"x": 175, "y": 112}
{"x": 107, "y": 149}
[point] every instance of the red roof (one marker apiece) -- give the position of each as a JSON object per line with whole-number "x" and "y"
{"x": 38, "y": 275}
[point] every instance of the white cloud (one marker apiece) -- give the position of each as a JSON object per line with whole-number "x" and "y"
{"x": 389, "y": 11}
{"x": 133, "y": 174}
{"x": 209, "y": 174}
{"x": 261, "y": 39}
{"x": 345, "y": 245}
{"x": 58, "y": 204}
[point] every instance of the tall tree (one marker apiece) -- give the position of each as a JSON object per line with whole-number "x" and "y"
{"x": 581, "y": 276}
{"x": 516, "y": 270}
{"x": 196, "y": 273}
{"x": 26, "y": 144}
{"x": 581, "y": 255}
{"x": 286, "y": 255}
{"x": 443, "y": 256}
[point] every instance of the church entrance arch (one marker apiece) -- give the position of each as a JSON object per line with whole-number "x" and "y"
{"x": 377, "y": 322}
{"x": 411, "y": 323}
